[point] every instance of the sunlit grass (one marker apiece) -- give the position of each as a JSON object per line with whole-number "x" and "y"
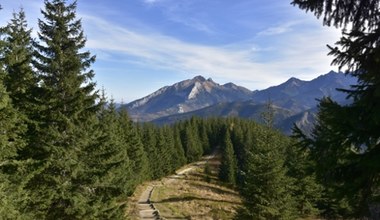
{"x": 197, "y": 195}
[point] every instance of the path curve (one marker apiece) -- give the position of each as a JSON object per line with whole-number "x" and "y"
{"x": 146, "y": 207}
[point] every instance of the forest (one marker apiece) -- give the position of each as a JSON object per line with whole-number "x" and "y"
{"x": 67, "y": 152}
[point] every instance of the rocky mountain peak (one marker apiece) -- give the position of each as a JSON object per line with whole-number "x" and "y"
{"x": 185, "y": 96}
{"x": 199, "y": 79}
{"x": 293, "y": 81}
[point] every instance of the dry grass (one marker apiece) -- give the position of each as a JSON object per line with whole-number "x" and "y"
{"x": 196, "y": 195}
{"x": 193, "y": 195}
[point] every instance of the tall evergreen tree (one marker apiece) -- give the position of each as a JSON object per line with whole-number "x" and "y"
{"x": 354, "y": 129}
{"x": 61, "y": 187}
{"x": 191, "y": 141}
{"x": 12, "y": 128}
{"x": 20, "y": 79}
{"x": 267, "y": 187}
{"x": 179, "y": 157}
{"x": 307, "y": 190}
{"x": 134, "y": 147}
{"x": 150, "y": 140}
{"x": 12, "y": 195}
{"x": 164, "y": 146}
{"x": 203, "y": 136}
{"x": 112, "y": 166}
{"x": 228, "y": 166}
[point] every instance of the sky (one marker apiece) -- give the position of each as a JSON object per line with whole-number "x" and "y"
{"x": 143, "y": 45}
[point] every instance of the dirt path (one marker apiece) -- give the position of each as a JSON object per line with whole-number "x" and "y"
{"x": 190, "y": 193}
{"x": 146, "y": 208}
{"x": 193, "y": 194}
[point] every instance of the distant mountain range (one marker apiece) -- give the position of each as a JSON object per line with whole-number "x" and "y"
{"x": 294, "y": 101}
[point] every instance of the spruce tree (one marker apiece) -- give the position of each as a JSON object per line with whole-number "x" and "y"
{"x": 228, "y": 166}
{"x": 20, "y": 79}
{"x": 134, "y": 147}
{"x": 203, "y": 136}
{"x": 179, "y": 152}
{"x": 165, "y": 145}
{"x": 191, "y": 141}
{"x": 237, "y": 138}
{"x": 354, "y": 129}
{"x": 62, "y": 187}
{"x": 110, "y": 162}
{"x": 12, "y": 170}
{"x": 12, "y": 195}
{"x": 149, "y": 138}
{"x": 267, "y": 189}
{"x": 307, "y": 190}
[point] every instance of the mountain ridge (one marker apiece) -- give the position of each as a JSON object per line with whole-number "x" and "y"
{"x": 185, "y": 96}
{"x": 294, "y": 100}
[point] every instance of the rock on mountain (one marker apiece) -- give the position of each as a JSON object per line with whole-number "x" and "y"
{"x": 185, "y": 96}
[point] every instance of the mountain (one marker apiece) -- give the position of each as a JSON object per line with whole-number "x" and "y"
{"x": 294, "y": 101}
{"x": 185, "y": 96}
{"x": 298, "y": 95}
{"x": 304, "y": 120}
{"x": 283, "y": 118}
{"x": 243, "y": 109}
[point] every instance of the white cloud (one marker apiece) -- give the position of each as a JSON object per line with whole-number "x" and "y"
{"x": 297, "y": 55}
{"x": 150, "y": 1}
{"x": 193, "y": 23}
{"x": 183, "y": 13}
{"x": 280, "y": 29}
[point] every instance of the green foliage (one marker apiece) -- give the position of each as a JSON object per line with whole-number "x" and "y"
{"x": 12, "y": 195}
{"x": 67, "y": 155}
{"x": 134, "y": 147}
{"x": 346, "y": 137}
{"x": 191, "y": 141}
{"x": 61, "y": 185}
{"x": 307, "y": 190}
{"x": 20, "y": 80}
{"x": 180, "y": 158}
{"x": 148, "y": 134}
{"x": 12, "y": 129}
{"x": 267, "y": 188}
{"x": 109, "y": 162}
{"x": 228, "y": 166}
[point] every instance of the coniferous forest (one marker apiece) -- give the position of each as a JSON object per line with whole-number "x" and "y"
{"x": 67, "y": 152}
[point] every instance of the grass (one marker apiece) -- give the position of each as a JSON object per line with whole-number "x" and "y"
{"x": 196, "y": 195}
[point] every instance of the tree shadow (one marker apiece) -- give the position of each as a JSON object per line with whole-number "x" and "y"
{"x": 197, "y": 176}
{"x": 192, "y": 198}
{"x": 242, "y": 214}
{"x": 214, "y": 189}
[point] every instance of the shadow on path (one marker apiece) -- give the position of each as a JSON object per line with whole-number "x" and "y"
{"x": 192, "y": 198}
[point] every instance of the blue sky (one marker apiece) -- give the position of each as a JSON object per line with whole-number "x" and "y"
{"x": 143, "y": 45}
